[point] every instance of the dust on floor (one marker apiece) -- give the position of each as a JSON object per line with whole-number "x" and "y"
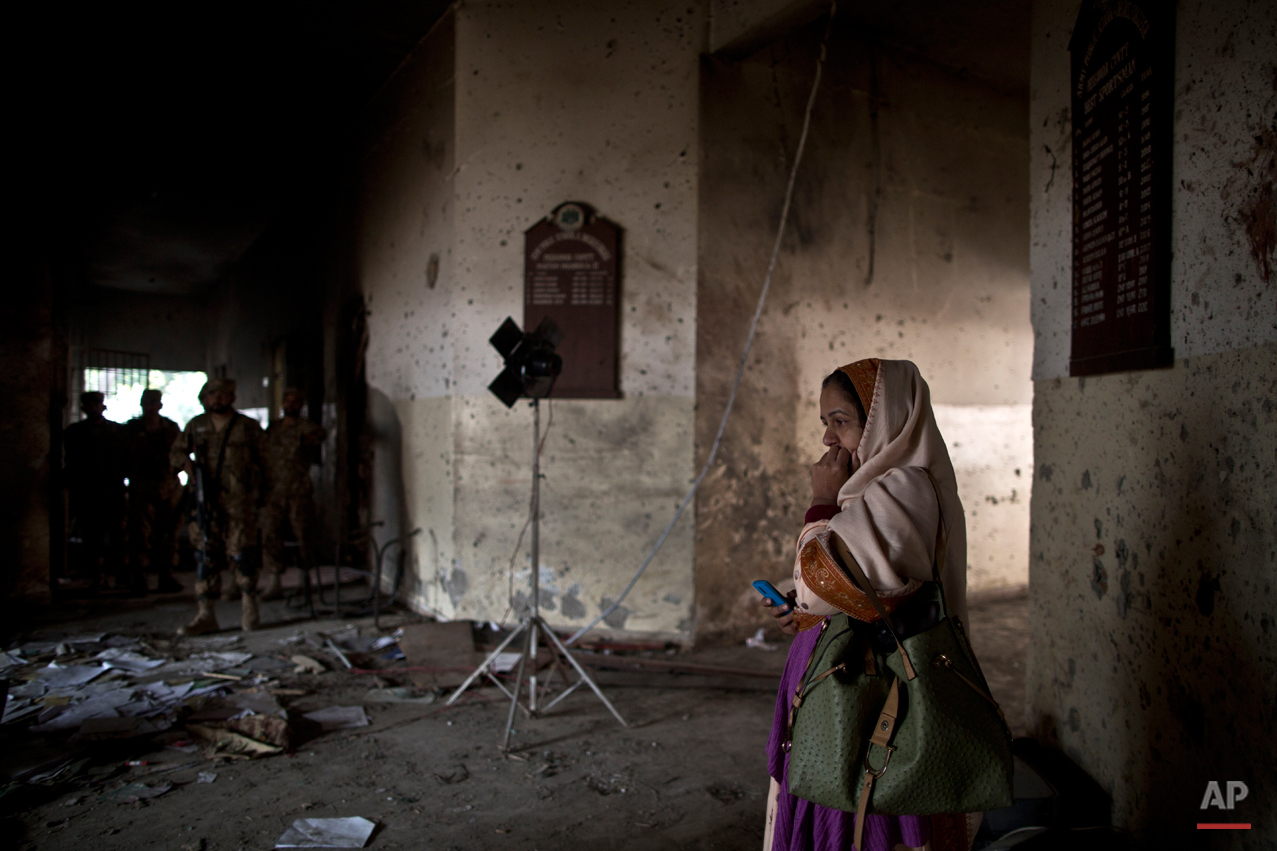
{"x": 688, "y": 772}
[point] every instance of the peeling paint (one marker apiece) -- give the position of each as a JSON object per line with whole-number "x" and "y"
{"x": 456, "y": 585}
{"x": 572, "y": 607}
{"x": 617, "y": 619}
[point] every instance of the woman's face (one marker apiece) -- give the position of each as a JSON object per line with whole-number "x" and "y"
{"x": 842, "y": 422}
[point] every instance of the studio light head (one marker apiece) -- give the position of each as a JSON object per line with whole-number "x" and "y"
{"x": 531, "y": 366}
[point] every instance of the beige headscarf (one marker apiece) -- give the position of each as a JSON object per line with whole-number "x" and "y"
{"x": 888, "y": 517}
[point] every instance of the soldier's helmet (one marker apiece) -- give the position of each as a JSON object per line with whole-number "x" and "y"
{"x": 214, "y": 385}
{"x": 92, "y": 397}
{"x": 151, "y": 395}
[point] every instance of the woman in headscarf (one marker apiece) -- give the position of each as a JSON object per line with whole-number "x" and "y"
{"x": 874, "y": 490}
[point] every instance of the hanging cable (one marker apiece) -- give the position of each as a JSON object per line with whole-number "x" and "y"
{"x": 749, "y": 340}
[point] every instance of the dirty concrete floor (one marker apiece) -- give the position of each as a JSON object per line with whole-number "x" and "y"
{"x": 688, "y": 771}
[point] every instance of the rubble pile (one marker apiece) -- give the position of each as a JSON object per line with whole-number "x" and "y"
{"x": 76, "y": 707}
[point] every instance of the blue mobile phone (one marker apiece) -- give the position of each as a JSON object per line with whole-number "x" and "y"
{"x": 768, "y": 590}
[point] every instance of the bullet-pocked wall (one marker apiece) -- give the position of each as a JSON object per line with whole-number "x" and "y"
{"x": 908, "y": 238}
{"x": 505, "y": 111}
{"x": 1153, "y": 543}
{"x": 404, "y": 265}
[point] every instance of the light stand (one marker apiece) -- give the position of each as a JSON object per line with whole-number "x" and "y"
{"x": 531, "y": 626}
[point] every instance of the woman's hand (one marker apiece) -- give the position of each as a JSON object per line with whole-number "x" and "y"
{"x": 784, "y": 617}
{"x": 829, "y": 474}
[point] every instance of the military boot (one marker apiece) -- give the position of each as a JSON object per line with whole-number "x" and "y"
{"x": 205, "y": 618}
{"x": 250, "y": 617}
{"x": 274, "y": 590}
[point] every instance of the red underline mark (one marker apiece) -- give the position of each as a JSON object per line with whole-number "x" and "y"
{"x": 1222, "y": 826}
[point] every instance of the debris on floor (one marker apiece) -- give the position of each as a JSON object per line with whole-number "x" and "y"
{"x": 327, "y": 833}
{"x": 131, "y": 793}
{"x": 307, "y": 665}
{"x": 87, "y": 691}
{"x": 338, "y": 717}
{"x": 400, "y": 694}
{"x": 757, "y": 641}
{"x": 441, "y": 655}
{"x": 133, "y": 719}
{"x": 222, "y": 742}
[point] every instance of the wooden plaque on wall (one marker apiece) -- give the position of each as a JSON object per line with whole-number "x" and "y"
{"x": 571, "y": 269}
{"x": 1122, "y": 82}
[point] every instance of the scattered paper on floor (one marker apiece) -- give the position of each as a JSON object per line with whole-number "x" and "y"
{"x": 350, "y": 832}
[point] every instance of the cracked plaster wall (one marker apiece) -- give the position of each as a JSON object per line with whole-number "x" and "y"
{"x": 949, "y": 291}
{"x": 1153, "y": 543}
{"x": 504, "y": 111}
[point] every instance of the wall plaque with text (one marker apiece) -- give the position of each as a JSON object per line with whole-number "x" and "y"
{"x": 571, "y": 271}
{"x": 1122, "y": 83}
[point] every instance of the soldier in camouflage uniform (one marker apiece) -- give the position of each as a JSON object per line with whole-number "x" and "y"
{"x": 154, "y": 493}
{"x": 292, "y": 446}
{"x": 227, "y": 449}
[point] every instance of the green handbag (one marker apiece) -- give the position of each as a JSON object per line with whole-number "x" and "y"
{"x": 913, "y": 731}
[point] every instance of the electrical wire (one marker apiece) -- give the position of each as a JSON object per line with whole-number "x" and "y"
{"x": 749, "y": 340}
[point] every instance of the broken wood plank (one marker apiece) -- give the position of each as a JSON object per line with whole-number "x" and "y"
{"x": 445, "y": 650}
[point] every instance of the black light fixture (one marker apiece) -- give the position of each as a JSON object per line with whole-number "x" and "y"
{"x": 531, "y": 365}
{"x": 530, "y": 369}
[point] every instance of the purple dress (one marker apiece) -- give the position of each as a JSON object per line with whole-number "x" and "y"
{"x": 804, "y": 826}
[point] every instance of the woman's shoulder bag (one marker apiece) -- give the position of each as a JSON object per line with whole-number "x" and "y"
{"x": 895, "y": 717}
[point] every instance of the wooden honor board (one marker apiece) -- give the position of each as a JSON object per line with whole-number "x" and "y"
{"x": 571, "y": 268}
{"x": 1122, "y": 84}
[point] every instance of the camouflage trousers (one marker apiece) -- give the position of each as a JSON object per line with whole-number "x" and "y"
{"x": 232, "y": 537}
{"x": 152, "y": 532}
{"x": 287, "y": 515}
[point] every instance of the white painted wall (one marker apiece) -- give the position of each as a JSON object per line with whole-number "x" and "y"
{"x": 547, "y": 102}
{"x": 598, "y": 105}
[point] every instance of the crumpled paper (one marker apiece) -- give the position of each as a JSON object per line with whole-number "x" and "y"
{"x": 350, "y": 832}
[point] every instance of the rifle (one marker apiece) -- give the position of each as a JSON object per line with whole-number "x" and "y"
{"x": 201, "y": 520}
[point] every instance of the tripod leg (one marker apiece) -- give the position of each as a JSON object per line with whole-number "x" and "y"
{"x": 492, "y": 657}
{"x": 532, "y": 674}
{"x": 518, "y": 683}
{"x": 584, "y": 676}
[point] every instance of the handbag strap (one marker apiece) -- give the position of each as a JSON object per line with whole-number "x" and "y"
{"x": 858, "y": 576}
{"x": 884, "y": 729}
{"x": 803, "y": 686}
